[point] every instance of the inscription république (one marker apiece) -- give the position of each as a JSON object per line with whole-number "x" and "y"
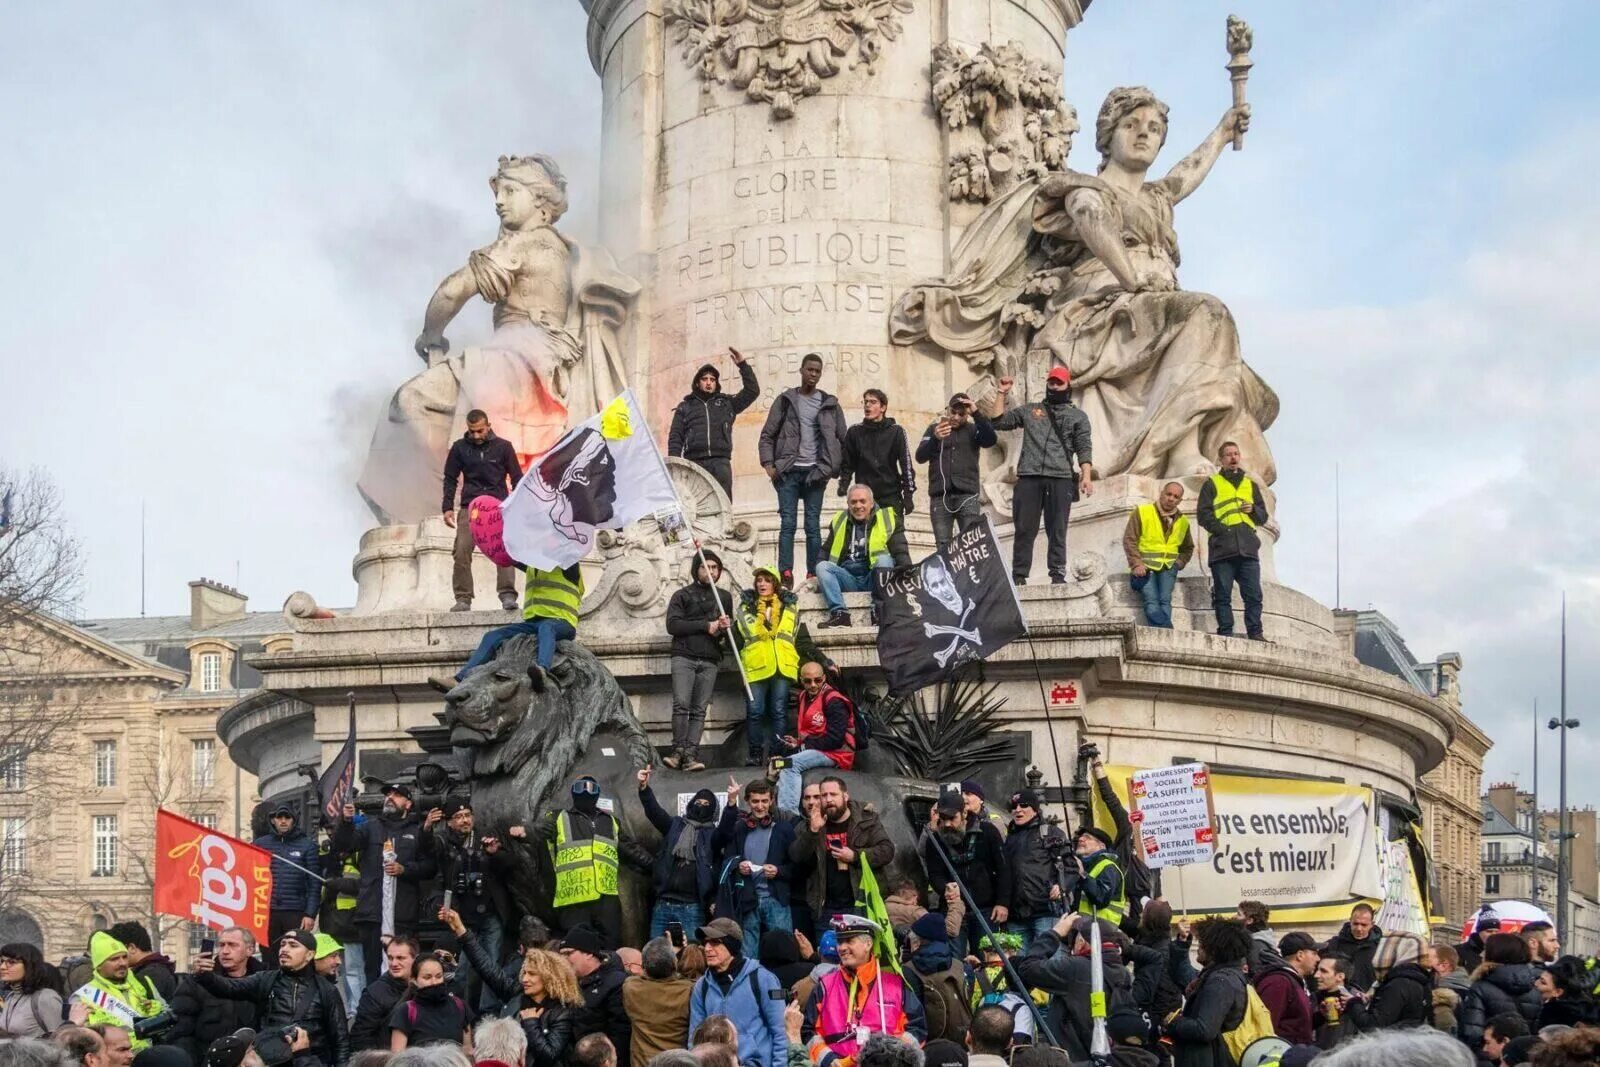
{"x": 840, "y": 248}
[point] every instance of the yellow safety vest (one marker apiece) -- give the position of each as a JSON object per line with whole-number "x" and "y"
{"x": 764, "y": 654}
{"x": 884, "y": 522}
{"x": 1114, "y": 911}
{"x": 347, "y": 901}
{"x": 1160, "y": 550}
{"x": 121, "y": 1005}
{"x": 1233, "y": 506}
{"x": 548, "y": 595}
{"x": 586, "y": 867}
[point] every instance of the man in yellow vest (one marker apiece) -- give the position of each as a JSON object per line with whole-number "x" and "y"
{"x": 1158, "y": 545}
{"x": 586, "y": 846}
{"x": 1101, "y": 890}
{"x": 115, "y": 996}
{"x": 1231, "y": 508}
{"x": 857, "y": 544}
{"x": 550, "y": 602}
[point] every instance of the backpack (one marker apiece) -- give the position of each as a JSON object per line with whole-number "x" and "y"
{"x": 1256, "y": 1024}
{"x": 945, "y": 1003}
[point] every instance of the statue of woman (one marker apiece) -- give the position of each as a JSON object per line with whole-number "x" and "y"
{"x": 1082, "y": 271}
{"x": 553, "y": 359}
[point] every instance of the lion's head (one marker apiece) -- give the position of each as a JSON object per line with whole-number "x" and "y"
{"x": 492, "y": 699}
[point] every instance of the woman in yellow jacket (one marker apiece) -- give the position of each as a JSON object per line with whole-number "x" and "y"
{"x": 767, "y": 618}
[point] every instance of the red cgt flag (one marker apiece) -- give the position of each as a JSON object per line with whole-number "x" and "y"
{"x": 210, "y": 878}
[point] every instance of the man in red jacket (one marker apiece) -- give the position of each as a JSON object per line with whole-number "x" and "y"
{"x": 826, "y": 725}
{"x": 1282, "y": 988}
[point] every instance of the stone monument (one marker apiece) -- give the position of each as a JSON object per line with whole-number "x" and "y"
{"x": 884, "y": 182}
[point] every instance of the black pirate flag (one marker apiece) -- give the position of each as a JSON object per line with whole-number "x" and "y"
{"x": 954, "y": 607}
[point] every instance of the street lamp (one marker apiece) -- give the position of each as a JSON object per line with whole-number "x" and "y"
{"x": 1563, "y": 835}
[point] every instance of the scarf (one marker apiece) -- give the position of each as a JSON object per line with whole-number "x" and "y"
{"x": 683, "y": 847}
{"x": 769, "y": 611}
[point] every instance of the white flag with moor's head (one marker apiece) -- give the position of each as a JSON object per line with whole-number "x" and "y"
{"x": 603, "y": 474}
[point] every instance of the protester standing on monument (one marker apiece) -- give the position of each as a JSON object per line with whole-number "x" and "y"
{"x": 1101, "y": 889}
{"x": 858, "y": 543}
{"x": 876, "y": 455}
{"x": 950, "y": 447}
{"x": 1053, "y": 433}
{"x": 702, "y": 423}
{"x": 586, "y": 845}
{"x": 801, "y": 447}
{"x": 474, "y": 870}
{"x": 737, "y": 986}
{"x": 1158, "y": 545}
{"x": 825, "y": 725}
{"x": 481, "y": 464}
{"x": 754, "y": 850}
{"x": 340, "y": 895}
{"x": 862, "y": 997}
{"x": 114, "y": 995}
{"x": 1230, "y": 509}
{"x": 296, "y": 892}
{"x": 395, "y": 861}
{"x": 550, "y": 600}
{"x": 1030, "y": 854}
{"x": 684, "y": 880}
{"x": 204, "y": 1017}
{"x": 699, "y": 617}
{"x": 837, "y": 837}
{"x": 976, "y": 849}
{"x": 292, "y": 995}
{"x": 767, "y": 617}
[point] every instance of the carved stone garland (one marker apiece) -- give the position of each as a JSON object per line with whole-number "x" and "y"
{"x": 1013, "y": 104}
{"x": 778, "y": 51}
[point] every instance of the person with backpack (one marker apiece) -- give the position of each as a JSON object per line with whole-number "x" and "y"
{"x": 828, "y": 732}
{"x": 429, "y": 1014}
{"x": 991, "y": 984}
{"x": 741, "y": 989}
{"x": 1217, "y": 1001}
{"x": 1060, "y": 962}
{"x": 29, "y": 1007}
{"x": 1280, "y": 981}
{"x": 940, "y": 980}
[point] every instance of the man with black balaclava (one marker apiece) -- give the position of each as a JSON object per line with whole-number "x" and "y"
{"x": 686, "y": 864}
{"x": 394, "y": 861}
{"x": 586, "y": 845}
{"x": 702, "y": 423}
{"x": 1053, "y": 432}
{"x": 473, "y": 870}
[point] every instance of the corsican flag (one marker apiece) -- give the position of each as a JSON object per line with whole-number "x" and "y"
{"x": 605, "y": 473}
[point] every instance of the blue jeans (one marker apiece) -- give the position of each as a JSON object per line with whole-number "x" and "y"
{"x": 1030, "y": 928}
{"x": 1157, "y": 595}
{"x": 491, "y": 936}
{"x": 692, "y": 916}
{"x": 764, "y": 715}
{"x": 768, "y": 915}
{"x": 792, "y": 778}
{"x": 1224, "y": 573}
{"x": 837, "y": 579}
{"x": 353, "y": 975}
{"x": 548, "y": 631}
{"x": 793, "y": 487}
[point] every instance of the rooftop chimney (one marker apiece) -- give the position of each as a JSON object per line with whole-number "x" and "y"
{"x": 212, "y": 604}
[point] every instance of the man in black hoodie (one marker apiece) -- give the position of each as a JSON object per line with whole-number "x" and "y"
{"x": 698, "y": 618}
{"x": 483, "y": 465}
{"x": 1230, "y": 509}
{"x": 877, "y": 456}
{"x": 702, "y": 423}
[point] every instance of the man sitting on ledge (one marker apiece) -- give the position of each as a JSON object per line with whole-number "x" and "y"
{"x": 858, "y": 544}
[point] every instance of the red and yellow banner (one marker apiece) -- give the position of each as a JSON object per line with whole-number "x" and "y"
{"x": 210, "y": 878}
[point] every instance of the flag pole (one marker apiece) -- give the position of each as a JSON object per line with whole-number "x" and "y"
{"x": 699, "y": 552}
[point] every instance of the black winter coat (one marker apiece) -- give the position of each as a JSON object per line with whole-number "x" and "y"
{"x": 1403, "y": 998}
{"x": 689, "y": 612}
{"x": 461, "y": 863}
{"x": 503, "y": 979}
{"x": 551, "y": 1036}
{"x": 1216, "y": 1005}
{"x": 1033, "y": 872}
{"x": 669, "y": 826}
{"x": 1498, "y": 987}
{"x": 1359, "y": 953}
{"x": 301, "y": 998}
{"x": 702, "y": 426}
{"x": 203, "y": 1017}
{"x": 1158, "y": 989}
{"x": 1569, "y": 1010}
{"x": 953, "y": 461}
{"x": 411, "y": 852}
{"x": 877, "y": 456}
{"x": 483, "y": 470}
{"x": 1230, "y": 542}
{"x": 370, "y": 1028}
{"x": 733, "y": 830}
{"x": 339, "y": 923}
{"x": 1069, "y": 979}
{"x": 604, "y": 1012}
{"x": 979, "y": 860}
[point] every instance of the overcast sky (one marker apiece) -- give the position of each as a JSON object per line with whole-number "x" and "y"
{"x": 223, "y": 222}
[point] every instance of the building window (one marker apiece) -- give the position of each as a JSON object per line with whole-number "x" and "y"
{"x": 203, "y": 763}
{"x": 1491, "y": 884}
{"x": 208, "y": 821}
{"x": 13, "y": 854}
{"x": 210, "y": 672}
{"x": 105, "y": 764}
{"x": 13, "y": 761}
{"x": 1494, "y": 852}
{"x": 107, "y": 844}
